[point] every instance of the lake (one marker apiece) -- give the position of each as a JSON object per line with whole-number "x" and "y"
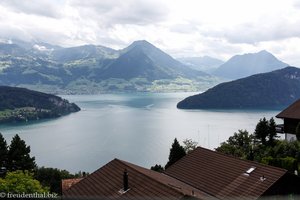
{"x": 138, "y": 128}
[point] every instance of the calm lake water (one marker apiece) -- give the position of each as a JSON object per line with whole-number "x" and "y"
{"x": 138, "y": 128}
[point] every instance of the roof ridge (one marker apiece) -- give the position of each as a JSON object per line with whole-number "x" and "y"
{"x": 169, "y": 186}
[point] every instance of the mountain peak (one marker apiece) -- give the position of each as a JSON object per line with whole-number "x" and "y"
{"x": 241, "y": 66}
{"x": 264, "y": 52}
{"x": 141, "y": 44}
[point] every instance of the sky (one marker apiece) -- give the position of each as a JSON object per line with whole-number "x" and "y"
{"x": 182, "y": 28}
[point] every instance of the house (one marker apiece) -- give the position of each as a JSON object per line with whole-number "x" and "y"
{"x": 202, "y": 174}
{"x": 291, "y": 117}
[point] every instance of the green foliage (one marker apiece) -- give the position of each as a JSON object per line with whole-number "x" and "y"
{"x": 265, "y": 132}
{"x": 298, "y": 131}
{"x": 51, "y": 178}
{"x": 176, "y": 152}
{"x": 272, "y": 133}
{"x": 19, "y": 182}
{"x": 238, "y": 145}
{"x": 189, "y": 145}
{"x": 287, "y": 163}
{"x": 3, "y": 151}
{"x": 261, "y": 131}
{"x": 266, "y": 149}
{"x": 19, "y": 155}
{"x": 157, "y": 168}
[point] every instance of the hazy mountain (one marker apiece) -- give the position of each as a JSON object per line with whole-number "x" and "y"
{"x": 240, "y": 66}
{"x": 143, "y": 60}
{"x": 64, "y": 55}
{"x": 205, "y": 63}
{"x": 275, "y": 89}
{"x": 92, "y": 69}
{"x": 11, "y": 49}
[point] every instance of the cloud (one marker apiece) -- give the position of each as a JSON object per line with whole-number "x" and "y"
{"x": 46, "y": 8}
{"x": 182, "y": 28}
{"x": 115, "y": 12}
{"x": 252, "y": 33}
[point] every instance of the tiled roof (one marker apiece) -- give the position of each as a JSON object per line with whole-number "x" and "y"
{"x": 224, "y": 176}
{"x": 106, "y": 183}
{"x": 291, "y": 112}
{"x": 67, "y": 183}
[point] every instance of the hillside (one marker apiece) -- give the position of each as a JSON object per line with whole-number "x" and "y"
{"x": 20, "y": 104}
{"x": 275, "y": 89}
{"x": 90, "y": 69}
{"x": 241, "y": 66}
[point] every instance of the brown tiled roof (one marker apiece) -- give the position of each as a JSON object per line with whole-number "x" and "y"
{"x": 67, "y": 183}
{"x": 106, "y": 182}
{"x": 224, "y": 176}
{"x": 291, "y": 112}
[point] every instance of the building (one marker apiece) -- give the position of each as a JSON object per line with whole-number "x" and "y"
{"x": 291, "y": 117}
{"x": 202, "y": 174}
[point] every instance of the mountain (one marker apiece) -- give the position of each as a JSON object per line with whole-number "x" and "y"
{"x": 206, "y": 63}
{"x": 93, "y": 69}
{"x": 241, "y": 66}
{"x": 64, "y": 55}
{"x": 143, "y": 60}
{"x": 275, "y": 89}
{"x": 20, "y": 104}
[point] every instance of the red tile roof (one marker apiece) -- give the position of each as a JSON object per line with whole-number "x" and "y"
{"x": 224, "y": 176}
{"x": 291, "y": 112}
{"x": 106, "y": 183}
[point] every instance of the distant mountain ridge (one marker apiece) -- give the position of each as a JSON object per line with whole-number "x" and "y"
{"x": 275, "y": 89}
{"x": 90, "y": 69}
{"x": 241, "y": 66}
{"x": 206, "y": 63}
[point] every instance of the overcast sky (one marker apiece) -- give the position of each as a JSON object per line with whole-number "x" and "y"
{"x": 216, "y": 28}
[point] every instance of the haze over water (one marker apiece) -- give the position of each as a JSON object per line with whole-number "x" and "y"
{"x": 138, "y": 128}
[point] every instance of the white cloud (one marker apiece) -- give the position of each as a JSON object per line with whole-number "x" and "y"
{"x": 182, "y": 28}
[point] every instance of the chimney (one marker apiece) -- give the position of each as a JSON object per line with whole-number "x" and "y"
{"x": 125, "y": 180}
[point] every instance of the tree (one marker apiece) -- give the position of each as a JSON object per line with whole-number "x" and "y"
{"x": 238, "y": 145}
{"x": 272, "y": 133}
{"x": 298, "y": 131}
{"x": 51, "y": 178}
{"x": 157, "y": 168}
{"x": 189, "y": 145}
{"x": 261, "y": 131}
{"x": 19, "y": 155}
{"x": 20, "y": 182}
{"x": 176, "y": 152}
{"x": 3, "y": 152}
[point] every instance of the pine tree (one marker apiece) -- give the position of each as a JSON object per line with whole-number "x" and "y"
{"x": 272, "y": 133}
{"x": 19, "y": 155}
{"x": 261, "y": 131}
{"x": 3, "y": 152}
{"x": 176, "y": 152}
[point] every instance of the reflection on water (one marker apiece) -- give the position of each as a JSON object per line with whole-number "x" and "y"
{"x": 138, "y": 128}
